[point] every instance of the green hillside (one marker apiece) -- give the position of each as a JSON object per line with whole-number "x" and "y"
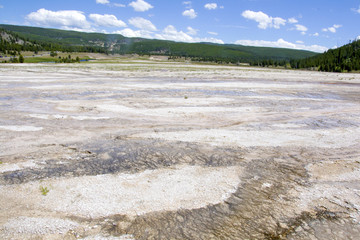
{"x": 36, "y": 39}
{"x": 343, "y": 59}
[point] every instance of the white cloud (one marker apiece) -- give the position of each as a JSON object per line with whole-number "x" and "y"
{"x": 264, "y": 20}
{"x": 332, "y": 29}
{"x": 102, "y": 1}
{"x": 358, "y": 38}
{"x": 300, "y": 42}
{"x": 140, "y": 6}
{"x": 210, "y": 40}
{"x": 106, "y": 20}
{"x": 301, "y": 28}
{"x": 127, "y": 32}
{"x": 356, "y": 10}
{"x": 281, "y": 43}
{"x": 69, "y": 19}
{"x": 1, "y": 6}
{"x": 142, "y": 23}
{"x": 211, "y": 6}
{"x": 277, "y": 21}
{"x": 191, "y": 31}
{"x": 119, "y": 5}
{"x": 213, "y": 33}
{"x": 170, "y": 33}
{"x": 293, "y": 20}
{"x": 190, "y": 13}
{"x": 316, "y": 34}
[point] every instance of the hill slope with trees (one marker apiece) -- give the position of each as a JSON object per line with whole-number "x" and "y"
{"x": 44, "y": 39}
{"x": 342, "y": 59}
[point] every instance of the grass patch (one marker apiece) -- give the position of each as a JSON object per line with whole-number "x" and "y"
{"x": 39, "y": 59}
{"x": 50, "y": 59}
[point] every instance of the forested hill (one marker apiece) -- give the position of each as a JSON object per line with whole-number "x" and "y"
{"x": 343, "y": 59}
{"x": 60, "y": 40}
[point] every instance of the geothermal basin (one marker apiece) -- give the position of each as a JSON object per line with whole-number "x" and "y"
{"x": 164, "y": 150}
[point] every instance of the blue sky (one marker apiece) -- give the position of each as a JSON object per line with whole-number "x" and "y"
{"x": 315, "y": 25}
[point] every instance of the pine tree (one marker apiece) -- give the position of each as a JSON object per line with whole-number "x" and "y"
{"x": 21, "y": 59}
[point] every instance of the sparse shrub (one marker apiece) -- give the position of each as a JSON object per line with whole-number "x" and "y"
{"x": 53, "y": 54}
{"x": 21, "y": 59}
{"x": 14, "y": 60}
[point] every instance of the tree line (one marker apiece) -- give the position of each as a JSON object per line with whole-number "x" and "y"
{"x": 343, "y": 59}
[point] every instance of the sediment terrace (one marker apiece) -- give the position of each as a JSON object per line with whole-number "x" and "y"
{"x": 159, "y": 150}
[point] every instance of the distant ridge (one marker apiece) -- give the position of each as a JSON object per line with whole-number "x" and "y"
{"x": 63, "y": 40}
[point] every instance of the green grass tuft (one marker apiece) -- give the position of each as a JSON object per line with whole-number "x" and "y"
{"x": 44, "y": 190}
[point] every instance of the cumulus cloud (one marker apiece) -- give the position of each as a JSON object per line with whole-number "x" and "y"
{"x": 102, "y": 1}
{"x": 142, "y": 23}
{"x": 316, "y": 34}
{"x": 69, "y": 19}
{"x": 171, "y": 33}
{"x": 191, "y": 31}
{"x": 128, "y": 32}
{"x": 301, "y": 28}
{"x": 140, "y": 6}
{"x": 106, "y": 20}
{"x": 293, "y": 20}
{"x": 264, "y": 21}
{"x": 211, "y": 6}
{"x": 332, "y": 29}
{"x": 281, "y": 43}
{"x": 168, "y": 33}
{"x": 190, "y": 13}
{"x": 210, "y": 40}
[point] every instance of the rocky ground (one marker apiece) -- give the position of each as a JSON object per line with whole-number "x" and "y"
{"x": 159, "y": 150}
